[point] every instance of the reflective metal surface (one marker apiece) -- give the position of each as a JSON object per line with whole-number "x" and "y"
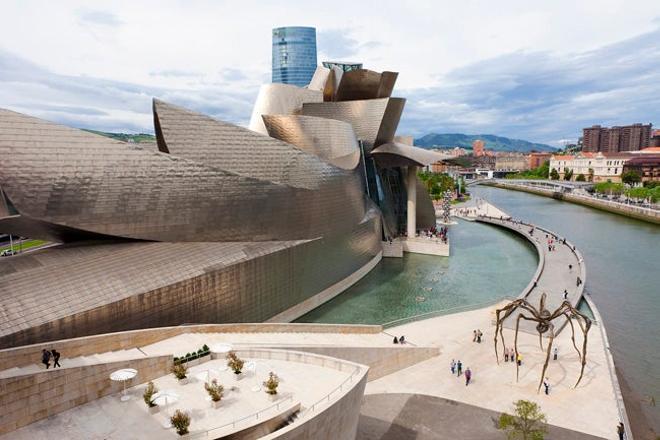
{"x": 365, "y": 84}
{"x": 394, "y": 154}
{"x": 331, "y": 140}
{"x": 280, "y": 99}
{"x": 425, "y": 210}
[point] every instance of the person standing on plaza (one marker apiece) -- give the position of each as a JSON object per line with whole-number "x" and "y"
{"x": 506, "y": 355}
{"x": 556, "y": 350}
{"x": 468, "y": 376}
{"x": 620, "y": 430}
{"x": 56, "y": 358}
{"x": 45, "y": 358}
{"x": 519, "y": 359}
{"x": 565, "y": 294}
{"x": 546, "y": 385}
{"x": 459, "y": 368}
{"x": 452, "y": 366}
{"x": 479, "y": 335}
{"x": 474, "y": 336}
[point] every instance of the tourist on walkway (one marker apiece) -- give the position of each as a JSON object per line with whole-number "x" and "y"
{"x": 506, "y": 355}
{"x": 546, "y": 385}
{"x": 570, "y": 267}
{"x": 474, "y": 336}
{"x": 452, "y": 366}
{"x": 579, "y": 281}
{"x": 396, "y": 341}
{"x": 402, "y": 340}
{"x": 45, "y": 358}
{"x": 56, "y": 358}
{"x": 479, "y": 335}
{"x": 519, "y": 359}
{"x": 565, "y": 294}
{"x": 459, "y": 368}
{"x": 468, "y": 376}
{"x": 555, "y": 353}
{"x": 620, "y": 430}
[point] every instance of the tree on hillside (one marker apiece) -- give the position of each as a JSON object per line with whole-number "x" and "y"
{"x": 528, "y": 423}
{"x": 580, "y": 178}
{"x": 631, "y": 177}
{"x": 554, "y": 175}
{"x": 568, "y": 174}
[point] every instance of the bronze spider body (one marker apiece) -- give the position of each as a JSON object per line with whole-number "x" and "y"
{"x": 544, "y": 318}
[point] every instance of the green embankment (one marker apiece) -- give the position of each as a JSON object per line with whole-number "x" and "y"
{"x": 24, "y": 245}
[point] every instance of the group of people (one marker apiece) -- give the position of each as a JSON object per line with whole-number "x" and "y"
{"x": 401, "y": 340}
{"x": 551, "y": 243}
{"x": 47, "y": 355}
{"x": 510, "y": 355}
{"x": 476, "y": 336}
{"x": 457, "y": 367}
{"x": 434, "y": 232}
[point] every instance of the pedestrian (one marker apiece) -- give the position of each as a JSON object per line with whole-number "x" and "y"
{"x": 45, "y": 358}
{"x": 468, "y": 376}
{"x": 620, "y": 430}
{"x": 546, "y": 385}
{"x": 565, "y": 294}
{"x": 555, "y": 353}
{"x": 459, "y": 368}
{"x": 479, "y": 335}
{"x": 396, "y": 341}
{"x": 519, "y": 359}
{"x": 402, "y": 340}
{"x": 474, "y": 336}
{"x": 506, "y": 355}
{"x": 452, "y": 366}
{"x": 570, "y": 267}
{"x": 56, "y": 358}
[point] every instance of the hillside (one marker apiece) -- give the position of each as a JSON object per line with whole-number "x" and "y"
{"x": 141, "y": 137}
{"x": 495, "y": 143}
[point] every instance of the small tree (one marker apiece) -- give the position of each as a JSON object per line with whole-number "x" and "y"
{"x": 527, "y": 424}
{"x": 568, "y": 174}
{"x": 272, "y": 383}
{"x": 554, "y": 175}
{"x": 631, "y": 177}
{"x": 180, "y": 371}
{"x": 181, "y": 421}
{"x": 215, "y": 390}
{"x": 148, "y": 394}
{"x": 234, "y": 362}
{"x": 580, "y": 178}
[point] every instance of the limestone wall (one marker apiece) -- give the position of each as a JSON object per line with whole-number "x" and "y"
{"x": 26, "y": 399}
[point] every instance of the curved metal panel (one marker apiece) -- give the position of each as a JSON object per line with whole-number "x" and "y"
{"x": 331, "y": 140}
{"x": 374, "y": 120}
{"x": 280, "y": 99}
{"x": 362, "y": 84}
{"x": 425, "y": 210}
{"x": 394, "y": 154}
{"x": 83, "y": 181}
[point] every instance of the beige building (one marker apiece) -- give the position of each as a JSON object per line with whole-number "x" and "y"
{"x": 596, "y": 167}
{"x": 517, "y": 162}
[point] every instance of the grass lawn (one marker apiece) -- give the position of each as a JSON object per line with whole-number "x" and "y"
{"x": 27, "y": 244}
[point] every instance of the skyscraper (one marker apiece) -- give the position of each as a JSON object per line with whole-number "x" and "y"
{"x": 294, "y": 55}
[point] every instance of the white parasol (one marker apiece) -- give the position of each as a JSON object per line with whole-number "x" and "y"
{"x": 122, "y": 376}
{"x": 221, "y": 348}
{"x": 164, "y": 398}
{"x": 251, "y": 366}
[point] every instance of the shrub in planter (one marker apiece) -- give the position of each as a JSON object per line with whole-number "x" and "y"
{"x": 235, "y": 363}
{"x": 180, "y": 371}
{"x": 181, "y": 421}
{"x": 206, "y": 348}
{"x": 272, "y": 383}
{"x": 148, "y": 394}
{"x": 215, "y": 390}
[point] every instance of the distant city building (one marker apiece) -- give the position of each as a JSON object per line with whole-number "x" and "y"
{"x": 510, "y": 161}
{"x": 478, "y": 148}
{"x": 655, "y": 139}
{"x": 538, "y": 159}
{"x": 647, "y": 166}
{"x": 596, "y": 167}
{"x": 294, "y": 55}
{"x": 616, "y": 139}
{"x": 342, "y": 65}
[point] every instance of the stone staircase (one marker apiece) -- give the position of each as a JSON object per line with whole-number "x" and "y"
{"x": 93, "y": 359}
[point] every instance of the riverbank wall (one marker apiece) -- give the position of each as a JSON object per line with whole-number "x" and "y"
{"x": 603, "y": 205}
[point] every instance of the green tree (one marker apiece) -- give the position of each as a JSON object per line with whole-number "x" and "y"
{"x": 580, "y": 178}
{"x": 568, "y": 173}
{"x": 554, "y": 175}
{"x": 631, "y": 177}
{"x": 591, "y": 174}
{"x": 528, "y": 423}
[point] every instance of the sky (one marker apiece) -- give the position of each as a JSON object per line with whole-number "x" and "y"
{"x": 533, "y": 69}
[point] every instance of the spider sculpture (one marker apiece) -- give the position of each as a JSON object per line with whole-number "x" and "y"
{"x": 544, "y": 319}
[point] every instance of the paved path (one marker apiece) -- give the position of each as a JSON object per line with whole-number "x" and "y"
{"x": 419, "y": 417}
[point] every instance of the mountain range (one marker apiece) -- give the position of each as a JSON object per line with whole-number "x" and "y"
{"x": 492, "y": 142}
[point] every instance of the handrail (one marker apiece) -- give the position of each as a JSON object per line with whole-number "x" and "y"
{"x": 233, "y": 423}
{"x": 326, "y": 398}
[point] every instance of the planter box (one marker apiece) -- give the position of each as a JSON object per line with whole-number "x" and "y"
{"x": 216, "y": 405}
{"x": 238, "y": 376}
{"x": 272, "y": 397}
{"x": 184, "y": 381}
{"x": 154, "y": 409}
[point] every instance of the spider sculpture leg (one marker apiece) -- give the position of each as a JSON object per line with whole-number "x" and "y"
{"x": 585, "y": 329}
{"x": 547, "y": 356}
{"x": 515, "y": 339}
{"x": 508, "y": 310}
{"x": 568, "y": 318}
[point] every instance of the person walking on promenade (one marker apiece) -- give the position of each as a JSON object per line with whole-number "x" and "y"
{"x": 506, "y": 355}
{"x": 479, "y": 335}
{"x": 546, "y": 385}
{"x": 519, "y": 359}
{"x": 395, "y": 341}
{"x": 468, "y": 376}
{"x": 56, "y": 358}
{"x": 565, "y": 294}
{"x": 579, "y": 281}
{"x": 620, "y": 430}
{"x": 45, "y": 358}
{"x": 402, "y": 340}
{"x": 452, "y": 367}
{"x": 556, "y": 351}
{"x": 459, "y": 368}
{"x": 474, "y": 336}
{"x": 570, "y": 267}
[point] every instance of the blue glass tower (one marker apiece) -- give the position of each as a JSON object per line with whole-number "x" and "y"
{"x": 294, "y": 55}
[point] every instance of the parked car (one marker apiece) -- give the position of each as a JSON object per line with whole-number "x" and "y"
{"x": 7, "y": 253}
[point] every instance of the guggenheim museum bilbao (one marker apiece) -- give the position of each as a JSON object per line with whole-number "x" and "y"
{"x": 219, "y": 223}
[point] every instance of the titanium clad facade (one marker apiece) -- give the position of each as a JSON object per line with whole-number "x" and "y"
{"x": 280, "y": 99}
{"x": 365, "y": 84}
{"x": 294, "y": 55}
